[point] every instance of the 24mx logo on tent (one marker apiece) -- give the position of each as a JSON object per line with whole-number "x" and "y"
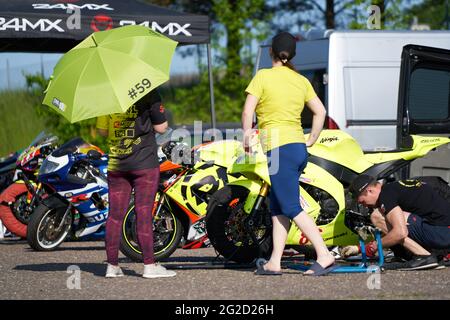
{"x": 172, "y": 28}
{"x": 99, "y": 23}
{"x": 23, "y": 24}
{"x": 71, "y": 6}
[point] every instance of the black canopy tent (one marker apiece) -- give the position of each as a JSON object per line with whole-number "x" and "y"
{"x": 56, "y": 26}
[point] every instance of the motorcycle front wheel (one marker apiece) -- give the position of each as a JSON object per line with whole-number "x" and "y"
{"x": 167, "y": 233}
{"x": 43, "y": 233}
{"x": 225, "y": 227}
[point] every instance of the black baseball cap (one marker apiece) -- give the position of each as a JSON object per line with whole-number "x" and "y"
{"x": 359, "y": 184}
{"x": 286, "y": 42}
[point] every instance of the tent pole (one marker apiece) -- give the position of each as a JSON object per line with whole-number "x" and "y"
{"x": 211, "y": 88}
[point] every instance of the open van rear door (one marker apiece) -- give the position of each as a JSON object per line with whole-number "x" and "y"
{"x": 424, "y": 92}
{"x": 424, "y": 106}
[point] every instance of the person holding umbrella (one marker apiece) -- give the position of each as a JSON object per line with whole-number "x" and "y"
{"x": 112, "y": 75}
{"x": 133, "y": 163}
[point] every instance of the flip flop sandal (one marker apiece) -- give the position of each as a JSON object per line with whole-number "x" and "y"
{"x": 260, "y": 271}
{"x": 318, "y": 270}
{"x": 260, "y": 262}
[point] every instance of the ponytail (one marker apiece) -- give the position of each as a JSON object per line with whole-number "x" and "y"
{"x": 283, "y": 57}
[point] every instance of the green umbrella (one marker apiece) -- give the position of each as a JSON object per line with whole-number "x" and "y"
{"x": 108, "y": 72}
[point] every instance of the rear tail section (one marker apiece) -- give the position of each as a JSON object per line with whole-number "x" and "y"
{"x": 422, "y": 145}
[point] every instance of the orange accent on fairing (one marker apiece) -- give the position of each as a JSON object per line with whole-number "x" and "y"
{"x": 192, "y": 217}
{"x": 37, "y": 152}
{"x": 200, "y": 145}
{"x": 232, "y": 203}
{"x": 155, "y": 206}
{"x": 195, "y": 244}
{"x": 168, "y": 165}
{"x": 167, "y": 187}
{"x": 81, "y": 197}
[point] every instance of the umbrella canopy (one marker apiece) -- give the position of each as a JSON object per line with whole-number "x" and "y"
{"x": 108, "y": 72}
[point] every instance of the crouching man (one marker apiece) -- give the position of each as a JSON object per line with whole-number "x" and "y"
{"x": 409, "y": 213}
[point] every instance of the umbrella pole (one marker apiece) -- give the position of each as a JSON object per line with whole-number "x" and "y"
{"x": 211, "y": 88}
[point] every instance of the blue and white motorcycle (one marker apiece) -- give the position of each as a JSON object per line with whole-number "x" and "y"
{"x": 79, "y": 207}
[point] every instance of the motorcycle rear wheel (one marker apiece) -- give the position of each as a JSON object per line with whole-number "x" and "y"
{"x": 226, "y": 231}
{"x": 167, "y": 234}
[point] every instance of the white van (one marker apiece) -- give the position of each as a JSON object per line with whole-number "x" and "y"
{"x": 356, "y": 74}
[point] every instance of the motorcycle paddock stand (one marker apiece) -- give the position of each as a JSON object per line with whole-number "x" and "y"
{"x": 362, "y": 267}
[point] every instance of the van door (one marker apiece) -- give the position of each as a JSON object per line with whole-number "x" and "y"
{"x": 424, "y": 92}
{"x": 424, "y": 104}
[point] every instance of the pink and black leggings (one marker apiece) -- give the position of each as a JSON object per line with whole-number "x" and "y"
{"x": 145, "y": 183}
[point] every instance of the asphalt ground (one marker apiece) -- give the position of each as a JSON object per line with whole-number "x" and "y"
{"x": 76, "y": 271}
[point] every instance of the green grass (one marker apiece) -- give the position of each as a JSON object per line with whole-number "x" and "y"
{"x": 19, "y": 123}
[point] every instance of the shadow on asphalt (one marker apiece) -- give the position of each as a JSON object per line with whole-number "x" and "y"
{"x": 97, "y": 269}
{"x": 99, "y": 246}
{"x": 90, "y": 248}
{"x": 210, "y": 262}
{"x": 199, "y": 263}
{"x": 193, "y": 259}
{"x": 12, "y": 242}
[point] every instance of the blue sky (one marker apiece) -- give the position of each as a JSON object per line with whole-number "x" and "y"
{"x": 30, "y": 63}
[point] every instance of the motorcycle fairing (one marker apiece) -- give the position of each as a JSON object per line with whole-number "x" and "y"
{"x": 339, "y": 147}
{"x": 221, "y": 153}
{"x": 192, "y": 190}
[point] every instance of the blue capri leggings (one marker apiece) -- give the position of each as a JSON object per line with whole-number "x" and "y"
{"x": 286, "y": 163}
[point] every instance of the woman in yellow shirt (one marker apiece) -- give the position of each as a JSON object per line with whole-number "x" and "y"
{"x": 278, "y": 95}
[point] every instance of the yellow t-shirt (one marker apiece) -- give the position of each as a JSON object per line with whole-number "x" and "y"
{"x": 282, "y": 94}
{"x": 131, "y": 138}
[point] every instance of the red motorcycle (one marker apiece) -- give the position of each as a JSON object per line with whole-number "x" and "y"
{"x": 19, "y": 199}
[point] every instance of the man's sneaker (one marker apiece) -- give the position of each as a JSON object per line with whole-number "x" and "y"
{"x": 441, "y": 265}
{"x": 421, "y": 263}
{"x": 113, "y": 271}
{"x": 157, "y": 271}
{"x": 443, "y": 262}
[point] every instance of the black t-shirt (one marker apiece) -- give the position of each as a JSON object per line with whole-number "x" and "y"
{"x": 131, "y": 135}
{"x": 415, "y": 197}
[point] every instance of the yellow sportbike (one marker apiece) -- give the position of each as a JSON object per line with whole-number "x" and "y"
{"x": 238, "y": 220}
{"x": 188, "y": 178}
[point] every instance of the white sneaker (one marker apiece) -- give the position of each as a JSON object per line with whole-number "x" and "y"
{"x": 157, "y": 271}
{"x": 113, "y": 271}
